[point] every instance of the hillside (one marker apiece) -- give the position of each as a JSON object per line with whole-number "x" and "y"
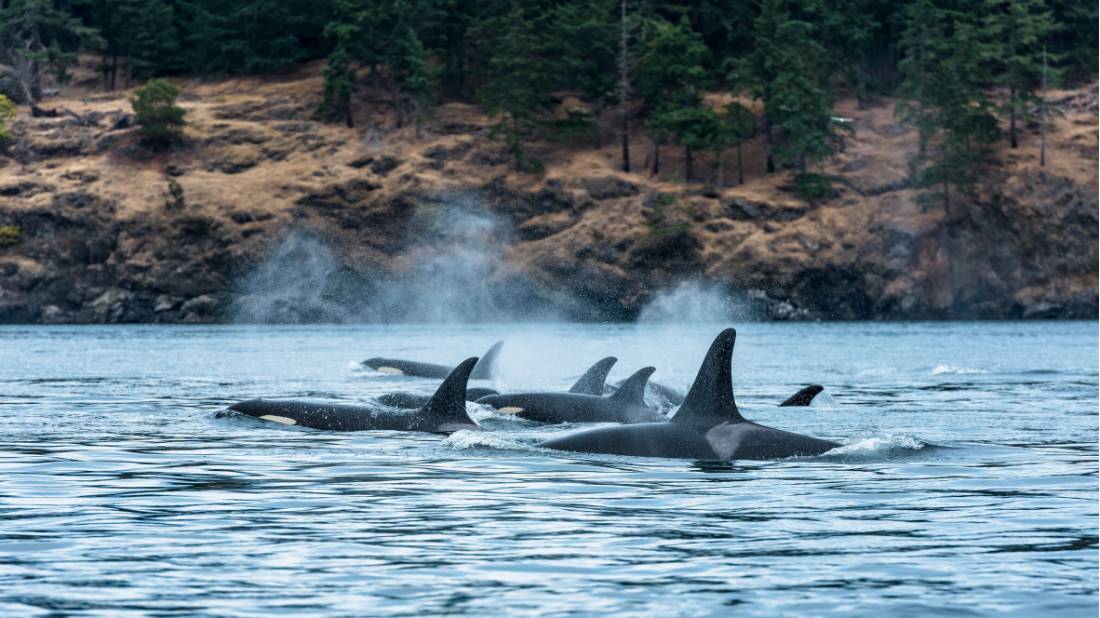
{"x": 110, "y": 231}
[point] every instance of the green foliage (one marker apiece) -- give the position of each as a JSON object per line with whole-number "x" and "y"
{"x": 514, "y": 89}
{"x": 946, "y": 96}
{"x": 7, "y": 112}
{"x": 785, "y": 71}
{"x": 10, "y": 235}
{"x": 339, "y": 81}
{"x": 1016, "y": 30}
{"x": 813, "y": 187}
{"x": 38, "y": 36}
{"x": 156, "y": 112}
{"x": 670, "y": 64}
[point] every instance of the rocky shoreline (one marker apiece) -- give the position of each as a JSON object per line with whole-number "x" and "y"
{"x": 109, "y": 232}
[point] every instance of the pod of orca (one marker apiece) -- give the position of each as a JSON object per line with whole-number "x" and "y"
{"x": 706, "y": 424}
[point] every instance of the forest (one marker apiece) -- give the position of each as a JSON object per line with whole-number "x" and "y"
{"x": 966, "y": 73}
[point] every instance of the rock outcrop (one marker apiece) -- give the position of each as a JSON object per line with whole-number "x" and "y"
{"x": 110, "y": 231}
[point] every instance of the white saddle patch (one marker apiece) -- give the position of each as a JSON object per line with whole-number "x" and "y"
{"x": 724, "y": 439}
{"x": 393, "y": 371}
{"x": 282, "y": 420}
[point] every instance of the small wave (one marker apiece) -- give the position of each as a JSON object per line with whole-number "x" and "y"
{"x": 469, "y": 439}
{"x": 954, "y": 370}
{"x": 880, "y": 445}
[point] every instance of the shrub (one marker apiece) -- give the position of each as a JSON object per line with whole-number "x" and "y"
{"x": 9, "y": 235}
{"x": 7, "y": 112}
{"x": 813, "y": 187}
{"x": 156, "y": 112}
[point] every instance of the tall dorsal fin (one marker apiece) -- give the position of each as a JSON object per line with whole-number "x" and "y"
{"x": 448, "y": 404}
{"x": 486, "y": 368}
{"x": 632, "y": 392}
{"x": 710, "y": 400}
{"x": 591, "y": 383}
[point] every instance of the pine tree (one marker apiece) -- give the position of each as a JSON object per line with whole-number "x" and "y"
{"x": 670, "y": 79}
{"x": 338, "y": 85}
{"x": 953, "y": 108}
{"x": 514, "y": 88}
{"x": 158, "y": 117}
{"x": 1017, "y": 29}
{"x": 581, "y": 47}
{"x": 785, "y": 71}
{"x": 38, "y": 36}
{"x": 414, "y": 82}
{"x": 733, "y": 125}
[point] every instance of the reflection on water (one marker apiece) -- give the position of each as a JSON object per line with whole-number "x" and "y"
{"x": 958, "y": 492}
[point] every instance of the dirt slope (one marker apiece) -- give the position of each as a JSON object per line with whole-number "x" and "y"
{"x": 110, "y": 231}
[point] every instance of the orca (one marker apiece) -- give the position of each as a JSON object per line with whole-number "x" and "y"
{"x": 707, "y": 426}
{"x": 410, "y": 401}
{"x": 669, "y": 394}
{"x": 445, "y": 412}
{"x": 591, "y": 383}
{"x": 485, "y": 369}
{"x": 803, "y": 397}
{"x": 627, "y": 405}
{"x": 674, "y": 397}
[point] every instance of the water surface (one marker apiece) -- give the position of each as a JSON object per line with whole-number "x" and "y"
{"x": 967, "y": 484}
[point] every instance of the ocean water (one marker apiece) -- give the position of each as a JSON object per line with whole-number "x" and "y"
{"x": 966, "y": 486}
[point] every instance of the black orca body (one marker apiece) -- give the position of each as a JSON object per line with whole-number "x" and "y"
{"x": 803, "y": 397}
{"x": 669, "y": 394}
{"x": 445, "y": 412}
{"x": 707, "y": 426}
{"x": 627, "y": 405}
{"x": 485, "y": 369}
{"x": 411, "y": 401}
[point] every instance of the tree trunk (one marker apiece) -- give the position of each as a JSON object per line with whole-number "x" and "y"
{"x": 1012, "y": 117}
{"x": 656, "y": 158}
{"x": 1043, "y": 114}
{"x": 687, "y": 164}
{"x": 624, "y": 87}
{"x": 946, "y": 198}
{"x": 768, "y": 140}
{"x": 740, "y": 167}
{"x": 721, "y": 169}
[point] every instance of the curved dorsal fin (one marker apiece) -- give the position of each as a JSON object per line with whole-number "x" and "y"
{"x": 803, "y": 397}
{"x": 710, "y": 400}
{"x": 632, "y": 392}
{"x": 591, "y": 383}
{"x": 486, "y": 368}
{"x": 448, "y": 404}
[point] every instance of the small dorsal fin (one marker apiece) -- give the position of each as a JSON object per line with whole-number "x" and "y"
{"x": 486, "y": 368}
{"x": 448, "y": 404}
{"x": 803, "y": 397}
{"x": 591, "y": 383}
{"x": 632, "y": 391}
{"x": 710, "y": 400}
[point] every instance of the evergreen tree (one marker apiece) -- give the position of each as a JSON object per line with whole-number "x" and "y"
{"x": 38, "y": 36}
{"x": 582, "y": 42}
{"x": 670, "y": 79}
{"x": 1017, "y": 29}
{"x": 338, "y": 85}
{"x": 514, "y": 87}
{"x": 953, "y": 108}
{"x": 156, "y": 113}
{"x": 413, "y": 79}
{"x": 733, "y": 125}
{"x": 844, "y": 29}
{"x": 785, "y": 71}
{"x": 7, "y": 112}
